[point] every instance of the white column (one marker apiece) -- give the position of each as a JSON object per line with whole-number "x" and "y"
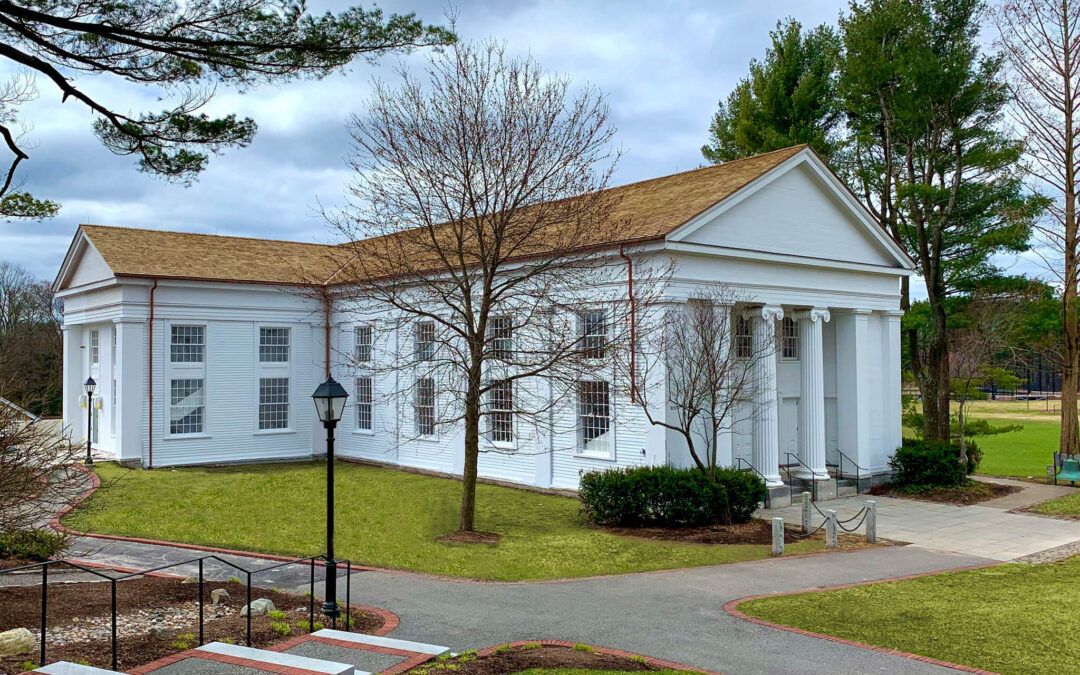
{"x": 893, "y": 385}
{"x": 130, "y": 387}
{"x": 853, "y": 395}
{"x": 74, "y": 416}
{"x": 766, "y": 455}
{"x": 812, "y": 394}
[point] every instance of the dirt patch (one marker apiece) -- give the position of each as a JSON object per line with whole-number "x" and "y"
{"x": 79, "y": 608}
{"x": 754, "y": 532}
{"x": 525, "y": 657}
{"x": 462, "y": 537}
{"x": 973, "y": 493}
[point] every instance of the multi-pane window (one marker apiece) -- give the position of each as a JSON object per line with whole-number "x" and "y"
{"x": 273, "y": 403}
{"x": 501, "y": 337}
{"x": 274, "y": 345}
{"x": 363, "y": 403}
{"x": 501, "y": 411}
{"x": 187, "y": 344}
{"x": 95, "y": 348}
{"x": 789, "y": 339}
{"x": 363, "y": 340}
{"x": 425, "y": 341}
{"x": 744, "y": 337}
{"x": 424, "y": 406}
{"x": 186, "y": 406}
{"x": 594, "y": 334}
{"x": 594, "y": 417}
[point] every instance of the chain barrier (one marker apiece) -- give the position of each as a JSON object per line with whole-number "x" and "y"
{"x": 801, "y": 535}
{"x": 864, "y": 512}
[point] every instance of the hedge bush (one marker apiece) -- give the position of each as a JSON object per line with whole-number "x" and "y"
{"x": 926, "y": 463}
{"x": 660, "y": 496}
{"x": 31, "y": 544}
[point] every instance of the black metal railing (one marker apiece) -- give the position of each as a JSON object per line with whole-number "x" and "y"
{"x": 249, "y": 573}
{"x": 799, "y": 462}
{"x": 858, "y": 472}
{"x": 739, "y": 462}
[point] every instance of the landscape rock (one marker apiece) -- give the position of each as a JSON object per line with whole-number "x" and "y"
{"x": 218, "y": 596}
{"x": 258, "y": 607}
{"x": 162, "y": 633}
{"x": 16, "y": 641}
{"x": 190, "y": 580}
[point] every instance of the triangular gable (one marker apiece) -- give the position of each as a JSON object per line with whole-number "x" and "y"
{"x": 799, "y": 209}
{"x": 83, "y": 265}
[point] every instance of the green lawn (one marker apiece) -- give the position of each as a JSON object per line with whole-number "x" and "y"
{"x": 1008, "y": 619}
{"x": 1062, "y": 506}
{"x": 1020, "y": 453}
{"x": 385, "y": 518}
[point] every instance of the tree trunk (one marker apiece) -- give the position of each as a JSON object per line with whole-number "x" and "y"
{"x": 1070, "y": 368}
{"x": 936, "y": 391}
{"x": 472, "y": 455}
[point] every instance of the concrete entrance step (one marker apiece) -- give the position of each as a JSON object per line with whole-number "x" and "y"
{"x": 69, "y": 668}
{"x": 360, "y": 639}
{"x": 261, "y": 659}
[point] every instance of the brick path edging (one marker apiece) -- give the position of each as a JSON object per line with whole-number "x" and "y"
{"x": 661, "y": 663}
{"x": 732, "y": 608}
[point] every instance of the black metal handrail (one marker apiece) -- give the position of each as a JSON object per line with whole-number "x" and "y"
{"x": 739, "y": 461}
{"x": 113, "y": 578}
{"x": 858, "y": 470}
{"x": 813, "y": 474}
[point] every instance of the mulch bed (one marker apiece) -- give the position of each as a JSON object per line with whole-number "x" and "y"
{"x": 76, "y": 604}
{"x": 756, "y": 531}
{"x": 973, "y": 493}
{"x": 463, "y": 537}
{"x": 517, "y": 659}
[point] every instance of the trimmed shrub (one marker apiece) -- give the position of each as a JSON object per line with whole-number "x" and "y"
{"x": 928, "y": 464}
{"x": 661, "y": 496}
{"x": 31, "y": 544}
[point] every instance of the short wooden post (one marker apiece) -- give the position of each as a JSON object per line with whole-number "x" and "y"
{"x": 830, "y": 529}
{"x": 806, "y": 512}
{"x": 871, "y": 522}
{"x": 777, "y": 536}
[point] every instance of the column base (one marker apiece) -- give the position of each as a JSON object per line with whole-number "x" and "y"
{"x": 773, "y": 481}
{"x": 819, "y": 474}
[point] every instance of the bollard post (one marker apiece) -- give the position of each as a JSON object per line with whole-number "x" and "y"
{"x": 777, "y": 536}
{"x": 871, "y": 522}
{"x": 830, "y": 529}
{"x": 806, "y": 513}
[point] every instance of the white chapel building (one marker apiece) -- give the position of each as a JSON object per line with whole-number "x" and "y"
{"x": 205, "y": 353}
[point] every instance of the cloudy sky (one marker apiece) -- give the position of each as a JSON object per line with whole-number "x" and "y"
{"x": 663, "y": 65}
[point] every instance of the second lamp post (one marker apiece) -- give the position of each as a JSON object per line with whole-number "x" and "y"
{"x": 330, "y": 404}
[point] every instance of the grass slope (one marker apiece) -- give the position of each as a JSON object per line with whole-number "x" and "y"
{"x": 1008, "y": 619}
{"x": 1020, "y": 453}
{"x": 385, "y": 518}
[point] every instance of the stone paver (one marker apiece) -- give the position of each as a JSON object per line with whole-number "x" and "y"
{"x": 977, "y": 530}
{"x": 1030, "y": 495}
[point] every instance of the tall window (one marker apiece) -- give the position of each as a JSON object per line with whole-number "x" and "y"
{"x": 425, "y": 341}
{"x": 187, "y": 344}
{"x": 363, "y": 403}
{"x": 789, "y": 339}
{"x": 501, "y": 337}
{"x": 501, "y": 411}
{"x": 594, "y": 417}
{"x": 594, "y": 334}
{"x": 744, "y": 337}
{"x": 364, "y": 338}
{"x": 95, "y": 348}
{"x": 273, "y": 403}
{"x": 186, "y": 406}
{"x": 424, "y": 407}
{"x": 274, "y": 345}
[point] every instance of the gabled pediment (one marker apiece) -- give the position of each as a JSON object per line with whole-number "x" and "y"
{"x": 799, "y": 209}
{"x": 83, "y": 265}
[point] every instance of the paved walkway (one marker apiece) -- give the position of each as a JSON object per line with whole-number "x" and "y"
{"x": 986, "y": 530}
{"x": 1030, "y": 494}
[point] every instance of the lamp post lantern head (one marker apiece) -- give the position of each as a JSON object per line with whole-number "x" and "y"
{"x": 329, "y": 400}
{"x": 89, "y": 386}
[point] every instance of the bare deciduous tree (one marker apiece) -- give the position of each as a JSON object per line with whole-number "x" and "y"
{"x": 706, "y": 352}
{"x": 1041, "y": 40}
{"x": 478, "y": 219}
{"x": 30, "y": 341}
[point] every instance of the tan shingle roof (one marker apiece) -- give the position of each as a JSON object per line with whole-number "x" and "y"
{"x": 649, "y": 209}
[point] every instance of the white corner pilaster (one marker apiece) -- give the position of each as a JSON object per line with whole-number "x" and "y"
{"x": 812, "y": 399}
{"x": 766, "y": 452}
{"x": 130, "y": 357}
{"x": 853, "y": 395}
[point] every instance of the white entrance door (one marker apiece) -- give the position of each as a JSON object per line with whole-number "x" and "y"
{"x": 789, "y": 429}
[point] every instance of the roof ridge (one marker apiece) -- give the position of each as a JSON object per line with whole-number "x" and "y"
{"x": 204, "y": 234}
{"x": 711, "y": 166}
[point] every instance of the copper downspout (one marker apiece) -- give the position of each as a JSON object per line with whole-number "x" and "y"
{"x": 633, "y": 324}
{"x": 150, "y": 345}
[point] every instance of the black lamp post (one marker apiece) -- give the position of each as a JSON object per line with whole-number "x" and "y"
{"x": 89, "y": 386}
{"x": 329, "y": 400}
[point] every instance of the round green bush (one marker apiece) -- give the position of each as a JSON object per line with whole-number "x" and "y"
{"x": 661, "y": 496}
{"x": 929, "y": 464}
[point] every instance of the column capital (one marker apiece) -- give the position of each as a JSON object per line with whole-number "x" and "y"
{"x": 893, "y": 313}
{"x": 774, "y": 312}
{"x": 814, "y": 314}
